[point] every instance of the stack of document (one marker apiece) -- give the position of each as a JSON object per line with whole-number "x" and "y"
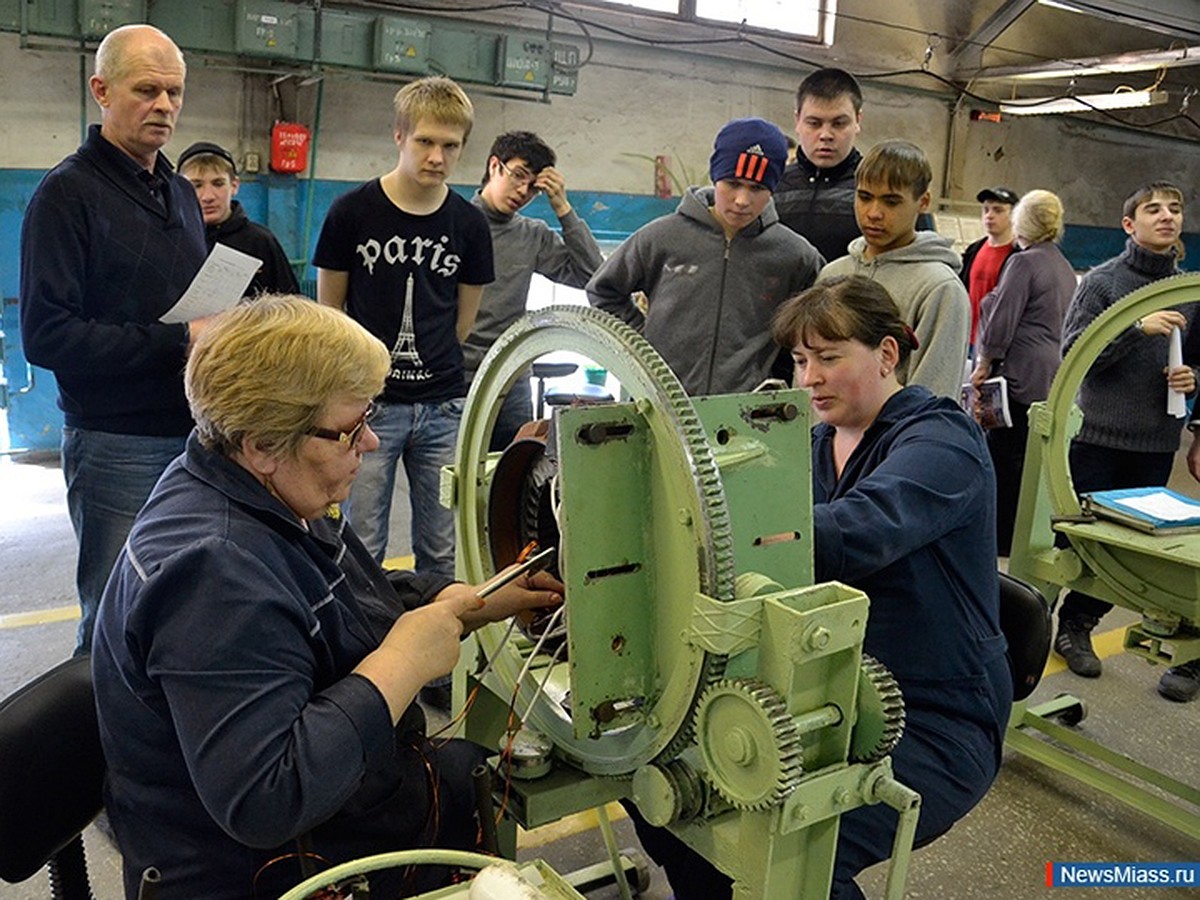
{"x": 988, "y": 405}
{"x": 1150, "y": 509}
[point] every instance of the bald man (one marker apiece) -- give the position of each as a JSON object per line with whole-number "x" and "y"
{"x": 110, "y": 241}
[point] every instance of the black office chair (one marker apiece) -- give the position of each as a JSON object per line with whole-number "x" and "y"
{"x": 1025, "y": 621}
{"x": 544, "y": 370}
{"x": 51, "y": 777}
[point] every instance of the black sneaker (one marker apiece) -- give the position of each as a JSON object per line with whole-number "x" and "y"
{"x": 1074, "y": 644}
{"x": 1181, "y": 683}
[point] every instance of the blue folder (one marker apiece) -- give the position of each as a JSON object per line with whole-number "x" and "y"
{"x": 1115, "y": 505}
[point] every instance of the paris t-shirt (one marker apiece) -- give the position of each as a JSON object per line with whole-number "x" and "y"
{"x": 404, "y": 271}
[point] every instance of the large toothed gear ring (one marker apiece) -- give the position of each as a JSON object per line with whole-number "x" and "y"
{"x": 750, "y": 745}
{"x": 691, "y": 543}
{"x": 880, "y": 722}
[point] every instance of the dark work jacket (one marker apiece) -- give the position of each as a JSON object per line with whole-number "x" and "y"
{"x": 911, "y": 523}
{"x": 101, "y": 261}
{"x": 819, "y": 203}
{"x": 276, "y": 275}
{"x": 230, "y": 716}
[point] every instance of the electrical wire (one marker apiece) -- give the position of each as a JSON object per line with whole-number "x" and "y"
{"x": 740, "y": 36}
{"x": 542, "y": 684}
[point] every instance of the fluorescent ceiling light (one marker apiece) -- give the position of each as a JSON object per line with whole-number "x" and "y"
{"x": 1118, "y": 64}
{"x": 1084, "y": 103}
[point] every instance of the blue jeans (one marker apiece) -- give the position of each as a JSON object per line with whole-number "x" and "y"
{"x": 109, "y": 477}
{"x": 515, "y": 411}
{"x": 423, "y": 435}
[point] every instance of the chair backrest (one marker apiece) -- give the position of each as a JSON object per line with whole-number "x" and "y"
{"x": 51, "y": 768}
{"x": 1025, "y": 621}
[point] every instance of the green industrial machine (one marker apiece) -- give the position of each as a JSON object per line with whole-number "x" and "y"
{"x": 696, "y": 668}
{"x": 1157, "y": 576}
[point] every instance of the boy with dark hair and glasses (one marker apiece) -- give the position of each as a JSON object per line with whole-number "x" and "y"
{"x": 520, "y": 165}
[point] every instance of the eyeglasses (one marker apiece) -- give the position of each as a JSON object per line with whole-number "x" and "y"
{"x": 521, "y": 178}
{"x": 349, "y": 438}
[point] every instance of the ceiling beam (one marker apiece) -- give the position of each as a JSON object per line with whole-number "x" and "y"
{"x": 968, "y": 55}
{"x": 1177, "y": 18}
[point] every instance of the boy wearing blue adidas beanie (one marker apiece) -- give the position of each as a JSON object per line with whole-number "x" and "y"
{"x": 714, "y": 271}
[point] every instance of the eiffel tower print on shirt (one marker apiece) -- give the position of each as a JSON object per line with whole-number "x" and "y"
{"x": 405, "y": 348}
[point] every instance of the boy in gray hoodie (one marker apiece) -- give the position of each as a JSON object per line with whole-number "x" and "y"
{"x": 918, "y": 268}
{"x": 714, "y": 270}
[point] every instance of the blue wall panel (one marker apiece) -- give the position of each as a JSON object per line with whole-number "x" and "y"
{"x": 34, "y": 421}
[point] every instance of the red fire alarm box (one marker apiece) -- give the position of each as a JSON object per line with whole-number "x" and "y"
{"x": 289, "y": 147}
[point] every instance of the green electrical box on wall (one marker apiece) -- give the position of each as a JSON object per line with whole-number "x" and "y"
{"x": 401, "y": 45}
{"x": 56, "y": 17}
{"x": 345, "y": 39}
{"x": 523, "y": 61}
{"x": 197, "y": 24}
{"x": 564, "y": 75}
{"x": 463, "y": 55}
{"x": 286, "y": 33}
{"x": 266, "y": 28}
{"x": 98, "y": 17}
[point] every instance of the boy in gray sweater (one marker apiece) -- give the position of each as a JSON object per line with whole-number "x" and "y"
{"x": 918, "y": 268}
{"x": 520, "y": 165}
{"x": 1127, "y": 439}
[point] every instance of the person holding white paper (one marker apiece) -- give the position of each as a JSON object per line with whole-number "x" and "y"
{"x": 111, "y": 239}
{"x": 1128, "y": 439}
{"x": 1176, "y": 401}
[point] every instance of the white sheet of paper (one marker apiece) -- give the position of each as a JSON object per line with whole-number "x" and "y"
{"x": 218, "y": 285}
{"x": 1176, "y": 402}
{"x": 1162, "y": 505}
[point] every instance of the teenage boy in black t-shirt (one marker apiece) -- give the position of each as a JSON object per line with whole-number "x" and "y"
{"x": 408, "y": 258}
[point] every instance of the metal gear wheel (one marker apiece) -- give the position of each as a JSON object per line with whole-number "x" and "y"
{"x": 880, "y": 722}
{"x": 750, "y": 745}
{"x": 689, "y": 471}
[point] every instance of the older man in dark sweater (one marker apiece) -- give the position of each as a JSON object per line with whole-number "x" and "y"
{"x": 1128, "y": 439}
{"x": 110, "y": 241}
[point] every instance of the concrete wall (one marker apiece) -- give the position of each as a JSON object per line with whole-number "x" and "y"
{"x": 632, "y": 103}
{"x": 1092, "y": 167}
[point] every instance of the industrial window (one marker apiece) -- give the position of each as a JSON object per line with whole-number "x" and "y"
{"x": 667, "y": 6}
{"x": 812, "y": 19}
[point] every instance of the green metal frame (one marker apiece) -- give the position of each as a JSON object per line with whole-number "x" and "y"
{"x": 1157, "y": 576}
{"x": 710, "y": 681}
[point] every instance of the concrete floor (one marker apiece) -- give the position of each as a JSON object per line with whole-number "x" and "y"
{"x": 1032, "y": 815}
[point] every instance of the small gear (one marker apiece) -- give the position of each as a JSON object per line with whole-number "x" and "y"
{"x": 750, "y": 745}
{"x": 880, "y": 722}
